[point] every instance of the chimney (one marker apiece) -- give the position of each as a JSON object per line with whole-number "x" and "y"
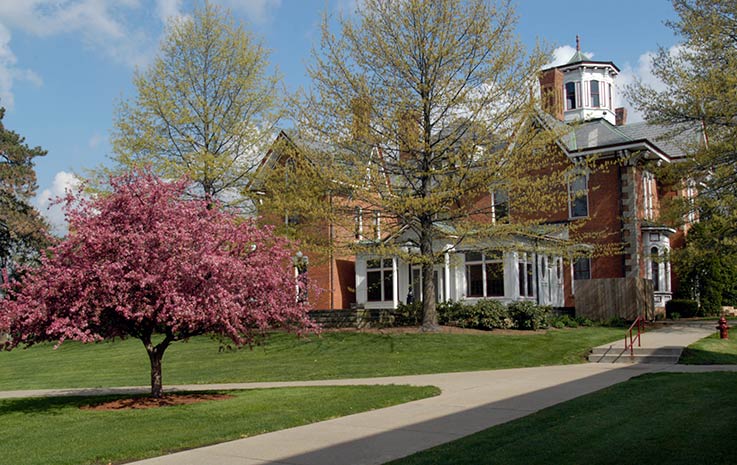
{"x": 361, "y": 109}
{"x": 551, "y": 92}
{"x": 620, "y": 116}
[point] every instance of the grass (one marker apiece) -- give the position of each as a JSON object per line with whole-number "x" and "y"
{"x": 54, "y": 431}
{"x": 711, "y": 351}
{"x": 333, "y": 355}
{"x": 671, "y": 418}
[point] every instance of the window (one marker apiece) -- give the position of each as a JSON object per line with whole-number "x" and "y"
{"x": 359, "y": 224}
{"x": 611, "y": 97}
{"x": 526, "y": 284}
{"x": 379, "y": 280}
{"x": 499, "y": 205}
{"x": 595, "y": 94}
{"x": 484, "y": 275}
{"x": 655, "y": 268}
{"x": 648, "y": 190}
{"x": 377, "y": 226}
{"x": 570, "y": 96}
{"x": 578, "y": 197}
{"x": 582, "y": 268}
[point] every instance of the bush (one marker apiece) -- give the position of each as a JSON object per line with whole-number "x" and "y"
{"x": 407, "y": 314}
{"x": 675, "y": 316}
{"x": 485, "y": 314}
{"x": 451, "y": 313}
{"x": 528, "y": 315}
{"x": 583, "y": 321}
{"x": 492, "y": 314}
{"x": 616, "y": 322}
{"x": 686, "y": 308}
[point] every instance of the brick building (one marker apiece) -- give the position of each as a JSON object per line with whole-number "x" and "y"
{"x": 615, "y": 202}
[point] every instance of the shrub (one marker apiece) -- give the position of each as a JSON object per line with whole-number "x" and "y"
{"x": 407, "y": 314}
{"x": 583, "y": 321}
{"x": 686, "y": 308}
{"x": 528, "y": 315}
{"x": 616, "y": 322}
{"x": 675, "y": 316}
{"x": 492, "y": 314}
{"x": 451, "y": 313}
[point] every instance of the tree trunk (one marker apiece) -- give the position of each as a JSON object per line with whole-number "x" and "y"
{"x": 429, "y": 310}
{"x": 155, "y": 356}
{"x": 157, "y": 389}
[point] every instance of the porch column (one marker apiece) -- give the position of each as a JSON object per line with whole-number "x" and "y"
{"x": 446, "y": 275}
{"x": 395, "y": 282}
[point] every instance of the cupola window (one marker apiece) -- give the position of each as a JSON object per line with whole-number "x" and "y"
{"x": 570, "y": 96}
{"x": 595, "y": 94}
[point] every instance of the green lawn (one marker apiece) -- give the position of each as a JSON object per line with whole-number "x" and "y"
{"x": 671, "y": 418}
{"x": 711, "y": 351}
{"x": 54, "y": 431}
{"x": 332, "y": 355}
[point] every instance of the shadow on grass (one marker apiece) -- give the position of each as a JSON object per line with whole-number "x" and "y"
{"x": 691, "y": 356}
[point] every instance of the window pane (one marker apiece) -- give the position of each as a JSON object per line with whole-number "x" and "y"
{"x": 373, "y": 264}
{"x": 579, "y": 197}
{"x": 387, "y": 263}
{"x": 388, "y": 285}
{"x": 473, "y": 256}
{"x": 570, "y": 96}
{"x": 501, "y": 205}
{"x": 373, "y": 283}
{"x": 521, "y": 275}
{"x": 474, "y": 281}
{"x": 417, "y": 283}
{"x": 582, "y": 268}
{"x": 655, "y": 267}
{"x": 530, "y": 287}
{"x": 595, "y": 100}
{"x": 495, "y": 279}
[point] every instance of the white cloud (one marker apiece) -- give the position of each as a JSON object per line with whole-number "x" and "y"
{"x": 643, "y": 72}
{"x": 9, "y": 72}
{"x": 95, "y": 141}
{"x": 257, "y": 10}
{"x": 562, "y": 54}
{"x": 53, "y": 212}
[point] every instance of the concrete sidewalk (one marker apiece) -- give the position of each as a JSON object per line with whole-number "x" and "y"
{"x": 469, "y": 402}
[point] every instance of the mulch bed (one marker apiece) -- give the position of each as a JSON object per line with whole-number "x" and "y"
{"x": 167, "y": 400}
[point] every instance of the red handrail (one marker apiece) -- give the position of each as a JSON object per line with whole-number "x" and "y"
{"x": 640, "y": 323}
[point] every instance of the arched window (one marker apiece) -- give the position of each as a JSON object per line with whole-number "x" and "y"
{"x": 655, "y": 268}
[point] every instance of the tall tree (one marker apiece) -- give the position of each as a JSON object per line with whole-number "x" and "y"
{"x": 23, "y": 233}
{"x": 205, "y": 108}
{"x": 417, "y": 109}
{"x": 144, "y": 262}
{"x": 700, "y": 79}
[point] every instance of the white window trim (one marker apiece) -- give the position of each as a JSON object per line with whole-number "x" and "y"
{"x": 483, "y": 262}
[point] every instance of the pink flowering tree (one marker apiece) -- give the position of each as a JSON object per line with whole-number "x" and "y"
{"x": 145, "y": 262}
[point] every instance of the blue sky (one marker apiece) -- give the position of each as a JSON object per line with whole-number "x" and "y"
{"x": 64, "y": 63}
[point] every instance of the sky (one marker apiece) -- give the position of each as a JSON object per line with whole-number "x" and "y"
{"x": 65, "y": 64}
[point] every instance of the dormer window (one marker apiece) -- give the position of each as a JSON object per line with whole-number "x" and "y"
{"x": 595, "y": 94}
{"x": 570, "y": 96}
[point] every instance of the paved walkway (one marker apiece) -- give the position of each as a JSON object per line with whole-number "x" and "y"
{"x": 671, "y": 334}
{"x": 469, "y": 402}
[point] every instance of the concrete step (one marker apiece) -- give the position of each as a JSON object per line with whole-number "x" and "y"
{"x": 663, "y": 355}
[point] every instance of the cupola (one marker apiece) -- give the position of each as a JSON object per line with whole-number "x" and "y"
{"x": 580, "y": 89}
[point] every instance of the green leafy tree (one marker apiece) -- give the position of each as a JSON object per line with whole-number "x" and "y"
{"x": 707, "y": 266}
{"x": 700, "y": 78}
{"x": 205, "y": 108}
{"x": 23, "y": 233}
{"x": 700, "y": 93}
{"x": 417, "y": 110}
